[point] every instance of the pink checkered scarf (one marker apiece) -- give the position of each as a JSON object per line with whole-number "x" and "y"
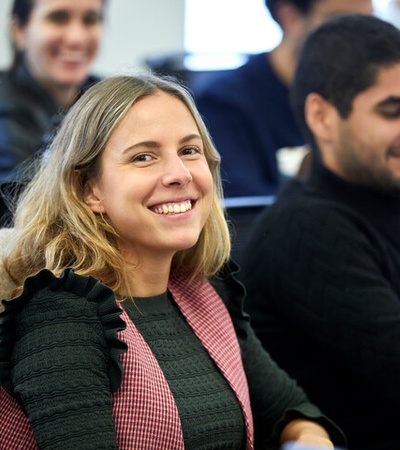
{"x": 145, "y": 413}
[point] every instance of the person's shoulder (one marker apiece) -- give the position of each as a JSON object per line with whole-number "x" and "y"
{"x": 256, "y": 64}
{"x": 14, "y": 94}
{"x": 297, "y": 223}
{"x": 294, "y": 196}
{"x": 238, "y": 81}
{"x": 9, "y": 86}
{"x": 91, "y": 80}
{"x": 299, "y": 206}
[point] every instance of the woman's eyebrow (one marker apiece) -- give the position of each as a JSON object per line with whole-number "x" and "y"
{"x": 146, "y": 144}
{"x": 190, "y": 137}
{"x": 154, "y": 144}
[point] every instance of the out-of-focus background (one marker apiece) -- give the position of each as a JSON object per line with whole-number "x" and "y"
{"x": 137, "y": 29}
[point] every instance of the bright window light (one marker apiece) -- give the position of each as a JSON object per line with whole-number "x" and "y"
{"x": 226, "y": 27}
{"x": 229, "y": 26}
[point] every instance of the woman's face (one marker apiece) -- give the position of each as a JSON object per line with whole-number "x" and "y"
{"x": 155, "y": 187}
{"x": 61, "y": 40}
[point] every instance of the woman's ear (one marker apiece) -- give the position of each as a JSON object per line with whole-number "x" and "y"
{"x": 321, "y": 117}
{"x": 92, "y": 197}
{"x": 17, "y": 33}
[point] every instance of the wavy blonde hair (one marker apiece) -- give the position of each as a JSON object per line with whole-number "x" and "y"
{"x": 55, "y": 229}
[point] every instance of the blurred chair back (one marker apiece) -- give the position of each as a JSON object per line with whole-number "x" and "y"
{"x": 242, "y": 212}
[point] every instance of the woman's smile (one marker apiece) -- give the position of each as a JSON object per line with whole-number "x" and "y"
{"x": 172, "y": 207}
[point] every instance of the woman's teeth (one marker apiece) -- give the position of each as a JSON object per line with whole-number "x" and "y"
{"x": 174, "y": 208}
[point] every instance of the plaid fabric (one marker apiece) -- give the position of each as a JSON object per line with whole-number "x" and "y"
{"x": 145, "y": 413}
{"x": 15, "y": 429}
{"x": 207, "y": 315}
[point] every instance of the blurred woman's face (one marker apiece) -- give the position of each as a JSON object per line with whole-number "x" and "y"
{"x": 60, "y": 40}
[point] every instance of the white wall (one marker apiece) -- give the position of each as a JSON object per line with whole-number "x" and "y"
{"x": 134, "y": 29}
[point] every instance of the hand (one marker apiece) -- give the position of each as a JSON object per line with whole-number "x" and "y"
{"x": 306, "y": 431}
{"x": 302, "y": 446}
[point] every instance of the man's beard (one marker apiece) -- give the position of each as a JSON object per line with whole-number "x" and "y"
{"x": 370, "y": 172}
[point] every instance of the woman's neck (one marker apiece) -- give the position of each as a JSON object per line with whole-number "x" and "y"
{"x": 63, "y": 96}
{"x": 150, "y": 278}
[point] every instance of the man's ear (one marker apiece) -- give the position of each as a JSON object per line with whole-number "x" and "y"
{"x": 92, "y": 197}
{"x": 289, "y": 17}
{"x": 321, "y": 117}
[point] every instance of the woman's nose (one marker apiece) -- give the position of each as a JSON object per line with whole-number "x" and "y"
{"x": 176, "y": 173}
{"x": 76, "y": 31}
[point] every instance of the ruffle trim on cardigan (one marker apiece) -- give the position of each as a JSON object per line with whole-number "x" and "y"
{"x": 82, "y": 286}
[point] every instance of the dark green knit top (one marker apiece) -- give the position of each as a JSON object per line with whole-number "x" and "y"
{"x": 59, "y": 356}
{"x": 210, "y": 413}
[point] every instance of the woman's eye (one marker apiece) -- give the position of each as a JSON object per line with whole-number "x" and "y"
{"x": 62, "y": 17}
{"x": 58, "y": 17}
{"x": 191, "y": 151}
{"x": 142, "y": 158}
{"x": 93, "y": 19}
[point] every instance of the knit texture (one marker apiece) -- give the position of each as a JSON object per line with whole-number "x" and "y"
{"x": 322, "y": 272}
{"x": 210, "y": 414}
{"x": 58, "y": 340}
{"x": 145, "y": 412}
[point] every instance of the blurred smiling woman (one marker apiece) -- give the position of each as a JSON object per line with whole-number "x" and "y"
{"x": 54, "y": 44}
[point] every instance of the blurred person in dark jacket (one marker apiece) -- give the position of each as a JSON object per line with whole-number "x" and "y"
{"x": 54, "y": 44}
{"x": 248, "y": 111}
